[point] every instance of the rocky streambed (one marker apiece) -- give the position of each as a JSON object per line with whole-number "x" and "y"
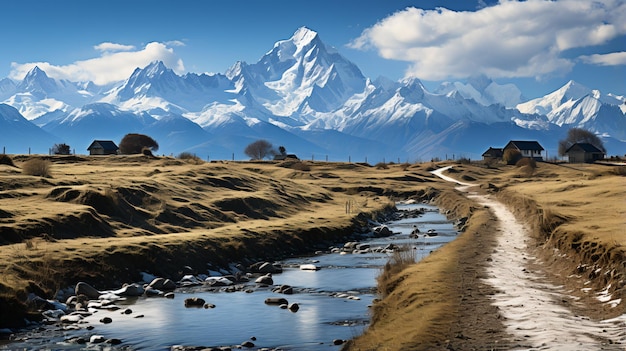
{"x": 304, "y": 303}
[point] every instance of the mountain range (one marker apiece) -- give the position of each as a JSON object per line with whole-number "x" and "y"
{"x": 303, "y": 95}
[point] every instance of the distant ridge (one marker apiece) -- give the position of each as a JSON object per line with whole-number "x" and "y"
{"x": 304, "y": 95}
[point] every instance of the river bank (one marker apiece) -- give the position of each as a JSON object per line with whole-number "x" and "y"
{"x": 500, "y": 306}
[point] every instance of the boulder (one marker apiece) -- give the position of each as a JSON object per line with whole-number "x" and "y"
{"x": 294, "y": 307}
{"x": 194, "y": 302}
{"x": 266, "y": 267}
{"x": 87, "y": 290}
{"x": 284, "y": 289}
{"x": 382, "y": 231}
{"x": 276, "y": 301}
{"x": 309, "y": 267}
{"x": 218, "y": 281}
{"x": 156, "y": 283}
{"x": 130, "y": 290}
{"x": 265, "y": 279}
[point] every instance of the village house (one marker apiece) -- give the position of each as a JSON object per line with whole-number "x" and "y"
{"x": 492, "y": 154}
{"x": 103, "y": 147}
{"x": 531, "y": 149}
{"x": 583, "y": 153}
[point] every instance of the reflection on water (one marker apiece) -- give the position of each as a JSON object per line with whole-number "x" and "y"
{"x": 324, "y": 314}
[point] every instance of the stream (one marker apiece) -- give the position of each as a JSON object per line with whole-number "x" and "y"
{"x": 333, "y": 302}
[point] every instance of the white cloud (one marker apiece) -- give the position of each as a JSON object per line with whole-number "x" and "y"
{"x": 111, "y": 47}
{"x": 113, "y": 65}
{"x": 612, "y": 59}
{"x": 510, "y": 39}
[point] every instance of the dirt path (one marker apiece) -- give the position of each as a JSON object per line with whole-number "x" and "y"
{"x": 536, "y": 311}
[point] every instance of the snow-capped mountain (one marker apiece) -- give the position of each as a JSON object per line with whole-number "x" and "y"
{"x": 157, "y": 88}
{"x": 304, "y": 95}
{"x": 38, "y": 94}
{"x": 19, "y": 135}
{"x": 484, "y": 91}
{"x": 575, "y": 105}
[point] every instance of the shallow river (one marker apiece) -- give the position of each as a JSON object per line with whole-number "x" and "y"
{"x": 334, "y": 304}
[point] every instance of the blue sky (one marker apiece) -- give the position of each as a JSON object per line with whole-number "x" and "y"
{"x": 536, "y": 44}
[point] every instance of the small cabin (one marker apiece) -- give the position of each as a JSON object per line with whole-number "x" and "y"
{"x": 583, "y": 153}
{"x": 103, "y": 147}
{"x": 493, "y": 154}
{"x": 531, "y": 149}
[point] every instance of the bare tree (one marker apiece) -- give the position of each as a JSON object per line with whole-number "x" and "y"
{"x": 579, "y": 135}
{"x": 134, "y": 143}
{"x": 259, "y": 149}
{"x": 61, "y": 149}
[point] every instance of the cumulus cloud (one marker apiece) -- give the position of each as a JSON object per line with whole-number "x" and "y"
{"x": 111, "y": 47}
{"x": 510, "y": 39}
{"x": 612, "y": 59}
{"x": 116, "y": 62}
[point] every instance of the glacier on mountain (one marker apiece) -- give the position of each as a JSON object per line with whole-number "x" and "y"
{"x": 304, "y": 95}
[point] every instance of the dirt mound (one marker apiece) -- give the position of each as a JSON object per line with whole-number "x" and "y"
{"x": 250, "y": 207}
{"x": 192, "y": 216}
{"x": 226, "y": 182}
{"x": 102, "y": 203}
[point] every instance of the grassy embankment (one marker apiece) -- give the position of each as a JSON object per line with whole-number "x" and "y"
{"x": 105, "y": 219}
{"x": 577, "y": 218}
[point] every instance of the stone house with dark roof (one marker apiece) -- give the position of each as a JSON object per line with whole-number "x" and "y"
{"x": 103, "y": 147}
{"x": 583, "y": 153}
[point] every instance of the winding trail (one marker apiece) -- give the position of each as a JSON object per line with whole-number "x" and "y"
{"x": 532, "y": 307}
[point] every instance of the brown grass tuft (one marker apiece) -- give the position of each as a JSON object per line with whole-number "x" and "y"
{"x": 190, "y": 158}
{"x": 37, "y": 167}
{"x": 6, "y": 160}
{"x": 401, "y": 259}
{"x": 619, "y": 170}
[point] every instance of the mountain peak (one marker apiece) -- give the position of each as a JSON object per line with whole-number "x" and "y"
{"x": 304, "y": 36}
{"x": 36, "y": 71}
{"x": 155, "y": 68}
{"x": 37, "y": 81}
{"x": 573, "y": 91}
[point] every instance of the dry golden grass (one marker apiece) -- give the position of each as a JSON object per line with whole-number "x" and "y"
{"x": 99, "y": 216}
{"x": 104, "y": 219}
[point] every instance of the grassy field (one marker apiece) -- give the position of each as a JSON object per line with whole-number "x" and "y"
{"x": 105, "y": 219}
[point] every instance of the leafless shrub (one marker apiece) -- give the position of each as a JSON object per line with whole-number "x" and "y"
{"x": 37, "y": 167}
{"x": 189, "y": 157}
{"x": 620, "y": 170}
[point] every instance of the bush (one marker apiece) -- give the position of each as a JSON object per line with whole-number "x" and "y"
{"x": 620, "y": 170}
{"x": 259, "y": 150}
{"x": 61, "y": 149}
{"x": 381, "y": 165}
{"x": 526, "y": 161}
{"x": 136, "y": 143}
{"x": 36, "y": 167}
{"x": 189, "y": 157}
{"x": 511, "y": 156}
{"x": 527, "y": 166}
{"x": 6, "y": 160}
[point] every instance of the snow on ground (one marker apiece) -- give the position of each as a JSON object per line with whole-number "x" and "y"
{"x": 532, "y": 306}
